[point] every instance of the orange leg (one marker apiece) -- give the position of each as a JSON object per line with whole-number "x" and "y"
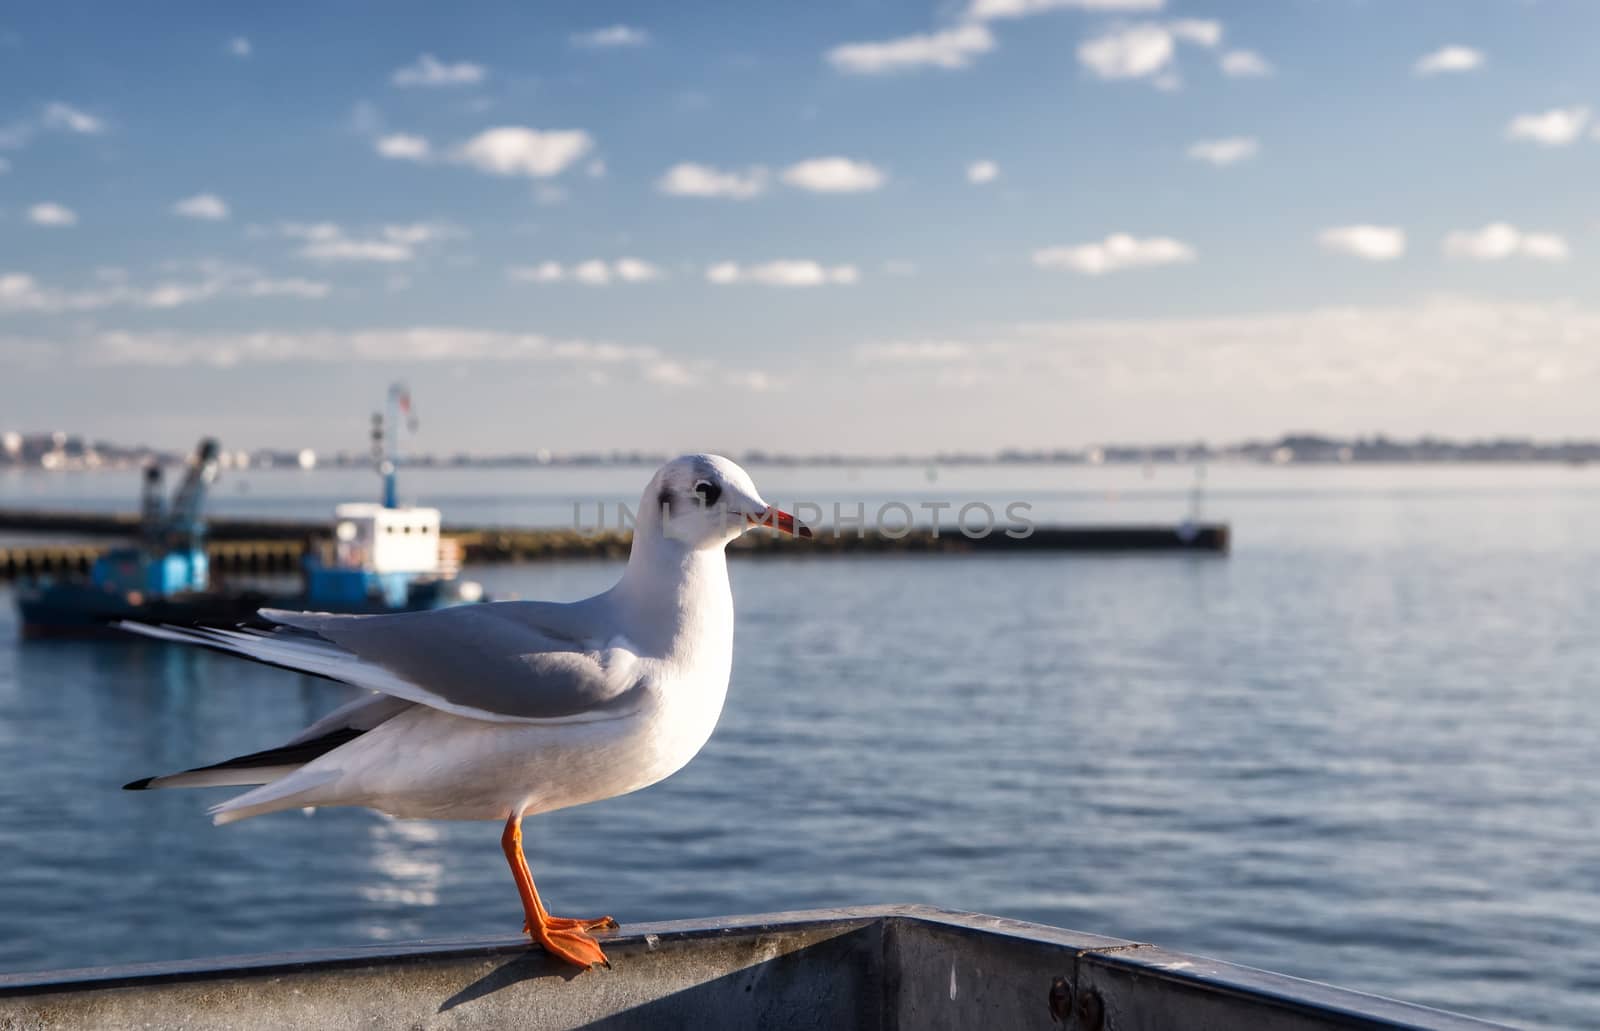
{"x": 561, "y": 937}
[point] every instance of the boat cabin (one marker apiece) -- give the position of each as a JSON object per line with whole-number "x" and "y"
{"x": 386, "y": 540}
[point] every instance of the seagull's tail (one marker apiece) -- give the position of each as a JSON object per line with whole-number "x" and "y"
{"x": 289, "y": 792}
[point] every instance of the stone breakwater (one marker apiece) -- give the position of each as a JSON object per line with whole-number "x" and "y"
{"x": 280, "y": 548}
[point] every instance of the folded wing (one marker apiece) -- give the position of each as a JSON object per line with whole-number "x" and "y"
{"x": 500, "y": 662}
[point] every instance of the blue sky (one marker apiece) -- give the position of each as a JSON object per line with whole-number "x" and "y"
{"x": 856, "y": 226}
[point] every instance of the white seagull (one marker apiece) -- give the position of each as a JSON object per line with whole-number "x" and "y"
{"x": 506, "y": 709}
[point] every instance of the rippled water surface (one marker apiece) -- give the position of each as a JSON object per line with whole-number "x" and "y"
{"x": 1364, "y": 748}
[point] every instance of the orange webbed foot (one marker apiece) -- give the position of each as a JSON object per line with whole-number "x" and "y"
{"x": 574, "y": 946}
{"x": 562, "y": 937}
{"x": 567, "y": 923}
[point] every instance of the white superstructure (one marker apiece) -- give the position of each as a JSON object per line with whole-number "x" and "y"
{"x": 387, "y": 540}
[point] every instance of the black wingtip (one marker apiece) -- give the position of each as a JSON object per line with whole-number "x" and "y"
{"x": 138, "y": 785}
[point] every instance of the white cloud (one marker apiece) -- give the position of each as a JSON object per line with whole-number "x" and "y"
{"x": 239, "y": 46}
{"x": 1202, "y": 32}
{"x": 415, "y": 344}
{"x": 414, "y": 234}
{"x": 1499, "y": 241}
{"x": 206, "y": 206}
{"x": 915, "y": 352}
{"x": 50, "y": 213}
{"x": 56, "y": 116}
{"x": 950, "y": 48}
{"x": 636, "y": 270}
{"x": 515, "y": 150}
{"x": 430, "y": 71}
{"x": 1245, "y": 64}
{"x": 1131, "y": 52}
{"x": 1146, "y": 49}
{"x": 594, "y": 272}
{"x": 611, "y": 37}
{"x": 544, "y": 272}
{"x": 590, "y": 362}
{"x": 20, "y": 292}
{"x": 1554, "y": 128}
{"x": 1448, "y": 59}
{"x": 1368, "y": 242}
{"x": 983, "y": 10}
{"x": 402, "y": 146}
{"x": 292, "y": 287}
{"x": 693, "y": 180}
{"x": 790, "y": 272}
{"x": 1115, "y": 253}
{"x": 980, "y": 172}
{"x": 67, "y": 118}
{"x": 357, "y": 250}
{"x": 1224, "y": 152}
{"x": 672, "y": 374}
{"x": 1410, "y": 367}
{"x": 834, "y": 175}
{"x": 753, "y": 380}
{"x": 328, "y": 241}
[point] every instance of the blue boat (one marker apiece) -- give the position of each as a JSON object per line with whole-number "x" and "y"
{"x": 385, "y": 557}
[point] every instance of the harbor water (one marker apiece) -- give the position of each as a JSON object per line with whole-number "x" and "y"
{"x": 1362, "y": 748}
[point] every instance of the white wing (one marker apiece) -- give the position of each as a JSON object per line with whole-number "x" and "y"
{"x": 503, "y": 661}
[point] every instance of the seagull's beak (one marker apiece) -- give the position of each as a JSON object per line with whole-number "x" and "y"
{"x": 781, "y": 521}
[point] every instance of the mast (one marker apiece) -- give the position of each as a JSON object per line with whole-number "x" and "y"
{"x": 152, "y": 507}
{"x": 386, "y": 439}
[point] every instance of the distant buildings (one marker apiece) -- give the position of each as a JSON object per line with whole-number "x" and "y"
{"x": 60, "y": 452}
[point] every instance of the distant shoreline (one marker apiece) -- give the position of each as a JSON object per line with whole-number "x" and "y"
{"x": 855, "y": 463}
{"x": 64, "y": 452}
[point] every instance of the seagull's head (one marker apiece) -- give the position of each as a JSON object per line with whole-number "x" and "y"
{"x": 705, "y": 501}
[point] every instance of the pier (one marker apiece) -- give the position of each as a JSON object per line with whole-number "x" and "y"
{"x": 251, "y": 547}
{"x": 878, "y": 967}
{"x": 263, "y": 557}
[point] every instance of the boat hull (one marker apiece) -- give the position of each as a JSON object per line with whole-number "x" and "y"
{"x": 80, "y": 610}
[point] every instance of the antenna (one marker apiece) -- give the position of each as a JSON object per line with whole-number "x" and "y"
{"x": 1198, "y": 491}
{"x": 386, "y": 439}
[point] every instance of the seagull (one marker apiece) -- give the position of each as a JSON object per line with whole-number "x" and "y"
{"x": 502, "y": 710}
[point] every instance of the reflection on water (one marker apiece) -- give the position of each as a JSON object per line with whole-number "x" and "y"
{"x": 1360, "y": 749}
{"x": 400, "y": 854}
{"x": 407, "y": 867}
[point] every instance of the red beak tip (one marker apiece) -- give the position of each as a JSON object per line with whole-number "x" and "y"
{"x": 783, "y": 522}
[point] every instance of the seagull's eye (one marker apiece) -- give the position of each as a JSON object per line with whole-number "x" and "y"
{"x": 707, "y": 492}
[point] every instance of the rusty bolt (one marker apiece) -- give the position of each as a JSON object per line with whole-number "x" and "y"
{"x": 1060, "y": 999}
{"x": 1091, "y": 1011}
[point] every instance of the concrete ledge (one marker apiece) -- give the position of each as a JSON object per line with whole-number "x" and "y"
{"x": 881, "y": 967}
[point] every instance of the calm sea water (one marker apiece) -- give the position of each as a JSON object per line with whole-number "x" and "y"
{"x": 1364, "y": 748}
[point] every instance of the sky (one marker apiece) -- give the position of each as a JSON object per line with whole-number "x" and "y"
{"x": 856, "y": 227}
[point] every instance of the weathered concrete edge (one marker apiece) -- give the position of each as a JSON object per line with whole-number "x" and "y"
{"x": 1184, "y": 971}
{"x": 633, "y": 936}
{"x": 1101, "y": 957}
{"x": 1096, "y": 961}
